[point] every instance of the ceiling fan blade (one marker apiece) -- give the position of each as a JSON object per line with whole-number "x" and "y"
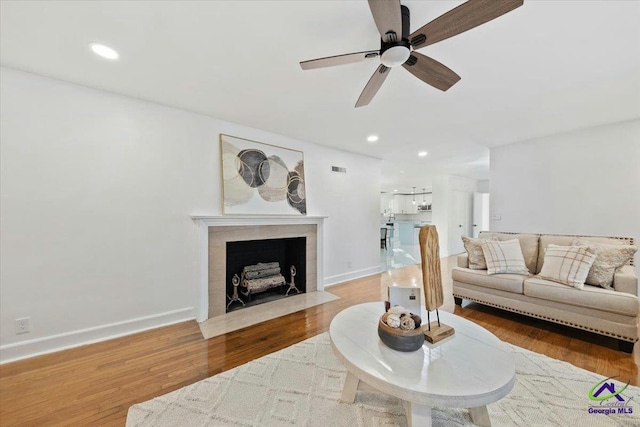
{"x": 373, "y": 85}
{"x": 331, "y": 61}
{"x": 464, "y": 17}
{"x": 388, "y": 17}
{"x": 431, "y": 71}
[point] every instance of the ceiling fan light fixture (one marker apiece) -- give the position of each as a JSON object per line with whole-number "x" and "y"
{"x": 104, "y": 51}
{"x": 398, "y": 46}
{"x": 395, "y": 55}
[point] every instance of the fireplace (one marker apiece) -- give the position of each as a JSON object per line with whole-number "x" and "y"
{"x": 214, "y": 234}
{"x": 260, "y": 271}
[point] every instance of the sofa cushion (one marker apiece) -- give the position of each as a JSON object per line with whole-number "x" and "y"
{"x": 528, "y": 244}
{"x": 501, "y": 282}
{"x": 608, "y": 259}
{"x": 504, "y": 257}
{"x": 590, "y": 296}
{"x": 568, "y": 265}
{"x": 474, "y": 249}
{"x": 625, "y": 280}
{"x": 547, "y": 239}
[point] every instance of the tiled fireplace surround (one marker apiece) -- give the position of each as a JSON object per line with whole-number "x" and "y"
{"x": 215, "y": 232}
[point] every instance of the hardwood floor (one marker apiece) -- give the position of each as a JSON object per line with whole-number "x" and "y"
{"x": 96, "y": 384}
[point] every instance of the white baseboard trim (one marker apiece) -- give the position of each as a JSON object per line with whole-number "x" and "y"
{"x": 339, "y": 278}
{"x": 50, "y": 344}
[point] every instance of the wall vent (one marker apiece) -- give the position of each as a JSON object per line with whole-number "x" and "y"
{"x": 338, "y": 169}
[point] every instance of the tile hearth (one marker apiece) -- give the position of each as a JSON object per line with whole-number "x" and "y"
{"x": 242, "y": 318}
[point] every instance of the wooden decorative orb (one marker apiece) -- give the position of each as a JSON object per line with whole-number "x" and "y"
{"x": 399, "y": 339}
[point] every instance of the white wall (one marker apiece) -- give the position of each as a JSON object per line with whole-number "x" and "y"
{"x": 483, "y": 186}
{"x": 581, "y": 182}
{"x": 351, "y": 201}
{"x": 97, "y": 192}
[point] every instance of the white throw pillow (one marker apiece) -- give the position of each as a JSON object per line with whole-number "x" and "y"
{"x": 568, "y": 265}
{"x": 504, "y": 257}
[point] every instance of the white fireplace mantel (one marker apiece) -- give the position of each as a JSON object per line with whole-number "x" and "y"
{"x": 235, "y": 220}
{"x": 204, "y": 222}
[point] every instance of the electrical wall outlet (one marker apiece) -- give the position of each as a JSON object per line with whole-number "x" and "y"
{"x": 22, "y": 325}
{"x": 496, "y": 217}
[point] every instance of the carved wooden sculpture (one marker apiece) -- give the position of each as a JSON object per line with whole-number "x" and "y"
{"x": 431, "y": 274}
{"x": 432, "y": 283}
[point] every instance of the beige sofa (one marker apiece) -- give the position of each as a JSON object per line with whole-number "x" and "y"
{"x": 608, "y": 312}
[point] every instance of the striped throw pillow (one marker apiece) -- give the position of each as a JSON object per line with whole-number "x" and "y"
{"x": 504, "y": 257}
{"x": 568, "y": 265}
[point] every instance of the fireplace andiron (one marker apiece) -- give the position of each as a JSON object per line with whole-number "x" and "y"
{"x": 292, "y": 285}
{"x": 235, "y": 281}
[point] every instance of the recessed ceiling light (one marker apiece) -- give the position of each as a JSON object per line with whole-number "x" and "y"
{"x": 103, "y": 51}
{"x": 422, "y": 154}
{"x": 395, "y": 190}
{"x": 372, "y": 138}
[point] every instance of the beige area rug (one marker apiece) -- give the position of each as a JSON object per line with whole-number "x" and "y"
{"x": 301, "y": 386}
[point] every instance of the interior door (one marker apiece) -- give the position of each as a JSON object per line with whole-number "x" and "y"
{"x": 460, "y": 220}
{"x": 480, "y": 213}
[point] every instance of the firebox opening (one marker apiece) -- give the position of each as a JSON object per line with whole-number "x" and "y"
{"x": 254, "y": 261}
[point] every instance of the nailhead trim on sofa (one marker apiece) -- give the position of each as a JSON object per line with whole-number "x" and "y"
{"x": 551, "y": 319}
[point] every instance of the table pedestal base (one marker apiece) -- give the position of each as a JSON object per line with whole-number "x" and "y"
{"x": 480, "y": 416}
{"x": 417, "y": 414}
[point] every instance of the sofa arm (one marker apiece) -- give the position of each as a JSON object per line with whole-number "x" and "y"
{"x": 625, "y": 280}
{"x": 463, "y": 261}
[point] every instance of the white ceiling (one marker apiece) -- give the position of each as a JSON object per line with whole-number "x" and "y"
{"x": 547, "y": 67}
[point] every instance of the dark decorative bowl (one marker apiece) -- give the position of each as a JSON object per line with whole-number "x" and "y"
{"x": 399, "y": 339}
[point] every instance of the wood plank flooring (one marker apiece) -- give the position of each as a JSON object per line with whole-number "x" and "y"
{"x": 96, "y": 384}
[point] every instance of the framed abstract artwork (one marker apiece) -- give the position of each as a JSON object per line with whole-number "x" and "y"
{"x": 261, "y": 179}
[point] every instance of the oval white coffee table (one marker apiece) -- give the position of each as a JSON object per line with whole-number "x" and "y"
{"x": 468, "y": 370}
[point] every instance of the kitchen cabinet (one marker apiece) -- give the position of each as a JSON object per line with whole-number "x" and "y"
{"x": 403, "y": 204}
{"x": 386, "y": 203}
{"x": 407, "y": 233}
{"x": 412, "y": 207}
{"x": 398, "y": 204}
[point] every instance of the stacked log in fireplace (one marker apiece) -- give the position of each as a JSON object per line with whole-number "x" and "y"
{"x": 261, "y": 277}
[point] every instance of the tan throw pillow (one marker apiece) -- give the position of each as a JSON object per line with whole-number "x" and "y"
{"x": 568, "y": 265}
{"x": 608, "y": 259}
{"x": 504, "y": 257}
{"x": 474, "y": 250}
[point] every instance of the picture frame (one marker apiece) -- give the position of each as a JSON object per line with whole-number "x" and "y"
{"x": 261, "y": 179}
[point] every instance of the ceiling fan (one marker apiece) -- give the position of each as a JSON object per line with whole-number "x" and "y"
{"x": 398, "y": 47}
